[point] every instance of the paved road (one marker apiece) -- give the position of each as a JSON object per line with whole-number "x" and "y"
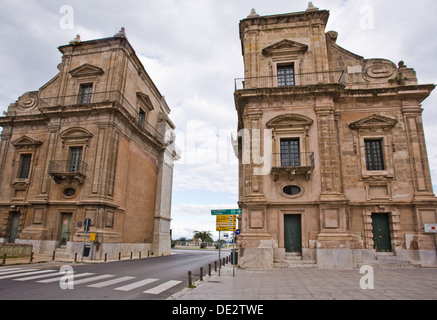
{"x": 144, "y": 279}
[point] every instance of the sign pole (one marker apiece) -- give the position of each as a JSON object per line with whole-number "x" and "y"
{"x": 84, "y": 238}
{"x": 220, "y": 245}
{"x": 435, "y": 243}
{"x": 233, "y": 255}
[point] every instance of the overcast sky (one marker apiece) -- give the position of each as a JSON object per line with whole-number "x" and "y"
{"x": 191, "y": 49}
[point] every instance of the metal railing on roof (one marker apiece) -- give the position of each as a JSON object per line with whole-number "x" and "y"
{"x": 290, "y": 80}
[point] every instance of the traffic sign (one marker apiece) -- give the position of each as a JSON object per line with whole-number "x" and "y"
{"x": 431, "y": 228}
{"x": 224, "y": 212}
{"x": 226, "y": 223}
{"x": 237, "y": 232}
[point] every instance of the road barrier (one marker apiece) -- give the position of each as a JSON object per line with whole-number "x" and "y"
{"x": 221, "y": 262}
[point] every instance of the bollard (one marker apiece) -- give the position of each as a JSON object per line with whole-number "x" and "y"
{"x": 224, "y": 262}
{"x": 215, "y": 265}
{"x": 190, "y": 282}
{"x": 75, "y": 257}
{"x": 31, "y": 257}
{"x": 119, "y": 256}
{"x": 148, "y": 254}
{"x": 209, "y": 269}
{"x": 139, "y": 255}
{"x": 106, "y": 257}
{"x": 4, "y": 258}
{"x": 201, "y": 273}
{"x": 53, "y": 256}
{"x": 131, "y": 254}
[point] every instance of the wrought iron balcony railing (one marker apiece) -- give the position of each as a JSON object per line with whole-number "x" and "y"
{"x": 293, "y": 163}
{"x": 102, "y": 98}
{"x": 67, "y": 170}
{"x": 294, "y": 80}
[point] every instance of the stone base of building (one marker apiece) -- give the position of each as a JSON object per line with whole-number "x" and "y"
{"x": 267, "y": 255}
{"x": 112, "y": 250}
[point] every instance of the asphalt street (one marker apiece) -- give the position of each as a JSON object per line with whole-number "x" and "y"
{"x": 143, "y": 279}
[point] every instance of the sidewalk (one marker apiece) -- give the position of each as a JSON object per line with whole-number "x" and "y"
{"x": 313, "y": 284}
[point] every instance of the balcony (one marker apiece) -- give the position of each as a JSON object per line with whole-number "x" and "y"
{"x": 294, "y": 80}
{"x": 96, "y": 100}
{"x": 67, "y": 170}
{"x": 294, "y": 163}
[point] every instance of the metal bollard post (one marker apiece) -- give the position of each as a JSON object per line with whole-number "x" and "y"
{"x": 190, "y": 282}
{"x": 53, "y": 256}
{"x": 215, "y": 265}
{"x": 31, "y": 257}
{"x": 139, "y": 255}
{"x": 106, "y": 256}
{"x": 201, "y": 273}
{"x": 75, "y": 257}
{"x": 209, "y": 269}
{"x": 4, "y": 258}
{"x": 131, "y": 254}
{"x": 119, "y": 256}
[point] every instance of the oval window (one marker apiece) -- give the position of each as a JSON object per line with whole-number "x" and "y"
{"x": 292, "y": 190}
{"x": 69, "y": 192}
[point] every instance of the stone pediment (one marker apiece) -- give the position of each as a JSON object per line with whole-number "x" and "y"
{"x": 86, "y": 70}
{"x": 25, "y": 142}
{"x": 145, "y": 101}
{"x": 76, "y": 133}
{"x": 285, "y": 47}
{"x": 373, "y": 122}
{"x": 290, "y": 120}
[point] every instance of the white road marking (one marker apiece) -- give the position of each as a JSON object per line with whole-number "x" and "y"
{"x": 136, "y": 285}
{"x": 37, "y": 277}
{"x": 163, "y": 287}
{"x": 25, "y": 274}
{"x": 105, "y": 276}
{"x": 110, "y": 282}
{"x": 57, "y": 279}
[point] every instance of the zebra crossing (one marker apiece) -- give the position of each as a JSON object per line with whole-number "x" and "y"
{"x": 91, "y": 280}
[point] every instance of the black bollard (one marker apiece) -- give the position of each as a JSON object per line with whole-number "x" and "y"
{"x": 190, "y": 282}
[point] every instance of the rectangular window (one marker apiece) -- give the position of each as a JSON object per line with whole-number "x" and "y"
{"x": 286, "y": 76}
{"x": 75, "y": 159}
{"x": 290, "y": 153}
{"x": 24, "y": 168}
{"x": 374, "y": 155}
{"x": 141, "y": 117}
{"x": 85, "y": 93}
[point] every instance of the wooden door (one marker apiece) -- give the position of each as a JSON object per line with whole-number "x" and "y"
{"x": 66, "y": 228}
{"x": 381, "y": 232}
{"x": 292, "y": 233}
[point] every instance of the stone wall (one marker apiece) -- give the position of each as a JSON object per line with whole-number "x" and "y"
{"x": 15, "y": 249}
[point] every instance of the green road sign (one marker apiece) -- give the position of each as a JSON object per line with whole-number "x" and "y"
{"x": 225, "y": 212}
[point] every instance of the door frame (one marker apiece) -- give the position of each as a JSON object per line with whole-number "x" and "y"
{"x": 14, "y": 215}
{"x": 281, "y": 233}
{"x": 390, "y": 237}
{"x": 62, "y": 214}
{"x": 300, "y": 232}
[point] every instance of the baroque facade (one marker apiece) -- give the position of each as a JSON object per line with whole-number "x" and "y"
{"x": 344, "y": 178}
{"x": 95, "y": 142}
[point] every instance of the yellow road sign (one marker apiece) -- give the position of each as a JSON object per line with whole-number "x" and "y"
{"x": 226, "y": 223}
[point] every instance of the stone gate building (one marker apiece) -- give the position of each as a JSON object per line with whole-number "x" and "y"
{"x": 96, "y": 142}
{"x": 348, "y": 181}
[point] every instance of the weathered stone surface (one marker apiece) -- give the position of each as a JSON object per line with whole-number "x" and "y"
{"x": 300, "y": 84}
{"x": 103, "y": 103}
